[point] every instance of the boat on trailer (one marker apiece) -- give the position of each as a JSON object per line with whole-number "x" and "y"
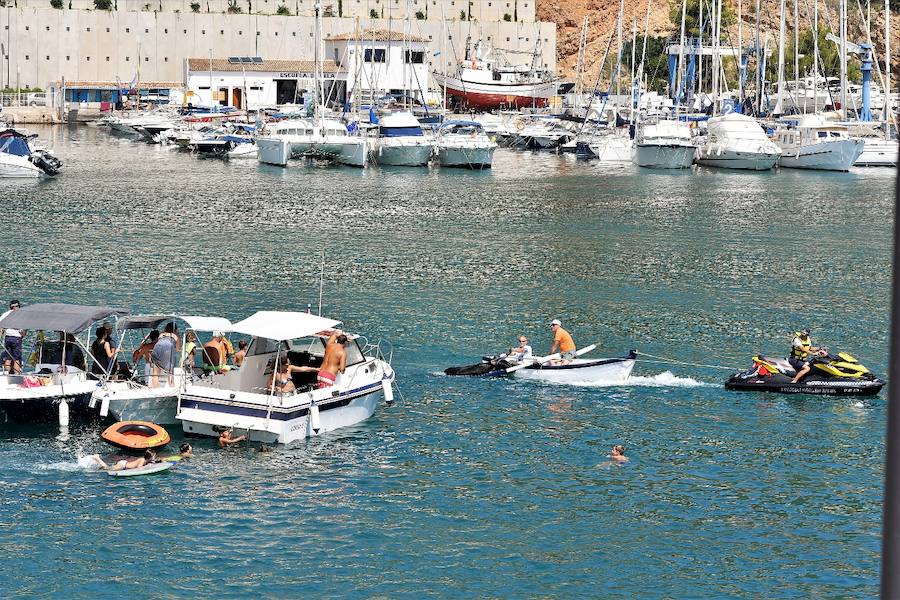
{"x": 137, "y": 397}
{"x": 243, "y": 399}
{"x": 57, "y": 382}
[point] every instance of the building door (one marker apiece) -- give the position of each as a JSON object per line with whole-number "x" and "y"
{"x": 285, "y": 91}
{"x": 236, "y": 99}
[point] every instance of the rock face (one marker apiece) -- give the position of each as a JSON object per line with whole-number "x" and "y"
{"x": 602, "y": 14}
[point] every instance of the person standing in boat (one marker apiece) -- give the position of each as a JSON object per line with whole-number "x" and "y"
{"x": 335, "y": 360}
{"x": 165, "y": 355}
{"x": 12, "y": 342}
{"x": 562, "y": 342}
{"x": 103, "y": 353}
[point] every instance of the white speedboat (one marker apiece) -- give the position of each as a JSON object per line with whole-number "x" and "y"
{"x": 606, "y": 371}
{"x": 664, "y": 145}
{"x": 318, "y": 138}
{"x": 464, "y": 144}
{"x": 612, "y": 147}
{"x": 814, "y": 143}
{"x": 736, "y": 141}
{"x": 138, "y": 397}
{"x": 19, "y": 159}
{"x": 59, "y": 379}
{"x": 400, "y": 142}
{"x": 244, "y": 400}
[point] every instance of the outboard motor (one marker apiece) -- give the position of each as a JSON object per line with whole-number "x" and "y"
{"x": 46, "y": 162}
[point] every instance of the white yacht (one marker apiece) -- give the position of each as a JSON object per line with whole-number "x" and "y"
{"x": 664, "y": 145}
{"x": 246, "y": 400}
{"x": 318, "y": 138}
{"x": 736, "y": 141}
{"x": 139, "y": 396}
{"x": 612, "y": 147}
{"x": 60, "y": 377}
{"x": 878, "y": 152}
{"x": 19, "y": 159}
{"x": 400, "y": 142}
{"x": 814, "y": 143}
{"x": 464, "y": 144}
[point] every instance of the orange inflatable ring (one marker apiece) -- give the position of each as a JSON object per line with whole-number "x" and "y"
{"x": 136, "y": 435}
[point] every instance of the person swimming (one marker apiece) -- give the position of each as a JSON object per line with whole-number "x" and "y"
{"x": 617, "y": 454}
{"x": 123, "y": 464}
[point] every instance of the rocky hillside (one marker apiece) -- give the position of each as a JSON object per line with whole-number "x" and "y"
{"x": 569, "y": 15}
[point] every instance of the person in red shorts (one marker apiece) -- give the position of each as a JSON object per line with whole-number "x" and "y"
{"x": 335, "y": 360}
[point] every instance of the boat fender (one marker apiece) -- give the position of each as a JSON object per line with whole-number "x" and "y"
{"x": 388, "y": 391}
{"x": 63, "y": 413}
{"x": 104, "y": 405}
{"x": 314, "y": 423}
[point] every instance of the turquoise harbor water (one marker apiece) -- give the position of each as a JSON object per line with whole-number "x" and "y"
{"x": 470, "y": 488}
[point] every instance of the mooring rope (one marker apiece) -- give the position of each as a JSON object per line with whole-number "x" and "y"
{"x": 663, "y": 359}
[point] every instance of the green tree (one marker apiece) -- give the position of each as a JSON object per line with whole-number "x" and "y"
{"x": 195, "y": 7}
{"x": 656, "y": 66}
{"x": 692, "y": 18}
{"x": 103, "y": 4}
{"x": 507, "y": 17}
{"x": 462, "y": 15}
{"x": 283, "y": 10}
{"x": 373, "y": 14}
{"x": 56, "y": 4}
{"x": 420, "y": 15}
{"x": 829, "y": 59}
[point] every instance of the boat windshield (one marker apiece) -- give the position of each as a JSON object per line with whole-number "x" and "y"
{"x": 400, "y": 131}
{"x": 14, "y": 144}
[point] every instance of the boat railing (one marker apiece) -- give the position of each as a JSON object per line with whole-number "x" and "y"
{"x": 381, "y": 350}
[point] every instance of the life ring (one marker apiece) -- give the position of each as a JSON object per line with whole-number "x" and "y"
{"x": 520, "y": 125}
{"x": 136, "y": 435}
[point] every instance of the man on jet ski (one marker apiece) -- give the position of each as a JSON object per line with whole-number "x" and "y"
{"x": 802, "y": 354}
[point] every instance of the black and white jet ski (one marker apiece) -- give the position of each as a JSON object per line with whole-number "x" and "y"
{"x": 840, "y": 375}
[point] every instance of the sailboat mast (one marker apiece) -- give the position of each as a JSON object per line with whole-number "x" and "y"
{"x": 317, "y": 58}
{"x": 619, "y": 42}
{"x": 759, "y": 62}
{"x": 886, "y": 110}
{"x": 843, "y": 25}
{"x": 779, "y": 109}
{"x": 633, "y": 55}
{"x": 797, "y": 55}
{"x": 700, "y": 50}
{"x": 740, "y": 54}
{"x": 816, "y": 55}
{"x": 680, "y": 60}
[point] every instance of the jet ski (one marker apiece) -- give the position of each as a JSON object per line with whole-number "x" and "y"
{"x": 490, "y": 366}
{"x": 831, "y": 375}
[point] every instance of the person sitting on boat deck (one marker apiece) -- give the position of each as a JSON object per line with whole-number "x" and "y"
{"x": 103, "y": 352}
{"x": 190, "y": 351}
{"x": 145, "y": 351}
{"x": 65, "y": 351}
{"x": 280, "y": 382}
{"x": 164, "y": 355}
{"x": 563, "y": 342}
{"x": 617, "y": 454}
{"x": 241, "y": 353}
{"x": 335, "y": 359}
{"x": 215, "y": 354}
{"x": 802, "y": 354}
{"x": 123, "y": 464}
{"x": 522, "y": 352}
{"x": 12, "y": 342}
{"x": 225, "y": 438}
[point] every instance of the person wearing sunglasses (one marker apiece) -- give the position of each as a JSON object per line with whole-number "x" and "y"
{"x": 521, "y": 352}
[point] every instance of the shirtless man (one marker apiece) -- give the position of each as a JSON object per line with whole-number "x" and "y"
{"x": 335, "y": 360}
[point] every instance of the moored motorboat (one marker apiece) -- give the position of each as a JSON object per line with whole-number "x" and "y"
{"x": 400, "y": 142}
{"x": 464, "y": 144}
{"x": 136, "y": 435}
{"x": 839, "y": 375}
{"x": 243, "y": 399}
{"x": 736, "y": 141}
{"x": 19, "y": 159}
{"x": 814, "y": 143}
{"x": 59, "y": 377}
{"x": 665, "y": 144}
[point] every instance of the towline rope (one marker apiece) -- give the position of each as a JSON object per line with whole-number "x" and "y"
{"x": 663, "y": 359}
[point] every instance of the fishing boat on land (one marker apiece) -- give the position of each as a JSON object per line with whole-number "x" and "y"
{"x": 137, "y": 395}
{"x": 548, "y": 369}
{"x": 243, "y": 399}
{"x": 59, "y": 377}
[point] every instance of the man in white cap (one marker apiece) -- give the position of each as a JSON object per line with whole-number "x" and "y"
{"x": 563, "y": 342}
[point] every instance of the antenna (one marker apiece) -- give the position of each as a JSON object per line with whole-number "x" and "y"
{"x": 321, "y": 281}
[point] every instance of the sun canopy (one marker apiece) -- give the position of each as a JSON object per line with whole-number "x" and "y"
{"x": 68, "y": 318}
{"x": 193, "y": 322}
{"x": 280, "y": 326}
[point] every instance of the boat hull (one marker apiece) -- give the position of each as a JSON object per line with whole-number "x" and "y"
{"x": 41, "y": 404}
{"x": 609, "y": 371}
{"x": 273, "y": 151}
{"x": 485, "y": 96}
{"x": 13, "y": 166}
{"x": 878, "y": 153}
{"x": 402, "y": 154}
{"x": 812, "y": 384}
{"x": 729, "y": 159}
{"x": 838, "y": 155}
{"x": 467, "y": 158}
{"x": 157, "y": 405}
{"x": 660, "y": 156}
{"x": 203, "y": 415}
{"x": 613, "y": 150}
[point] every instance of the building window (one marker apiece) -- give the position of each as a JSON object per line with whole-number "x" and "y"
{"x": 48, "y": 57}
{"x": 276, "y": 34}
{"x": 165, "y": 30}
{"x": 377, "y": 55}
{"x": 202, "y": 32}
{"x": 48, "y": 28}
{"x": 240, "y": 33}
{"x": 414, "y": 57}
{"x": 146, "y": 59}
{"x": 256, "y": 88}
{"x": 165, "y": 59}
{"x": 107, "y": 59}
{"x": 87, "y": 28}
{"x": 27, "y": 28}
{"x": 127, "y": 59}
{"x": 107, "y": 30}
{"x": 146, "y": 31}
{"x": 221, "y": 32}
{"x": 26, "y": 57}
{"x": 295, "y": 34}
{"x": 185, "y": 31}
{"x": 507, "y": 39}
{"x": 128, "y": 30}
{"x": 67, "y": 27}
{"x": 67, "y": 58}
{"x": 87, "y": 58}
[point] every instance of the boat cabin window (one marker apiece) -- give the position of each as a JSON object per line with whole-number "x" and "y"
{"x": 399, "y": 131}
{"x": 262, "y": 346}
{"x": 823, "y": 134}
{"x": 496, "y": 75}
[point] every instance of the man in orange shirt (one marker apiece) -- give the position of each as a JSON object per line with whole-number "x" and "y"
{"x": 562, "y": 341}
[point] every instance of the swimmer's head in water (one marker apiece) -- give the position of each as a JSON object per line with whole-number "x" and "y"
{"x": 185, "y": 448}
{"x": 149, "y": 455}
{"x": 619, "y": 449}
